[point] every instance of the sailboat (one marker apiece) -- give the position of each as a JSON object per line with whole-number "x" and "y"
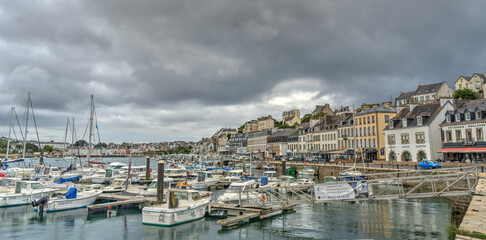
{"x": 6, "y": 161}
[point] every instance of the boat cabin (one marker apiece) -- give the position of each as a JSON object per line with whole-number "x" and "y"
{"x": 202, "y": 176}
{"x": 117, "y": 165}
{"x": 27, "y": 186}
{"x": 270, "y": 174}
{"x": 237, "y": 187}
{"x": 181, "y": 198}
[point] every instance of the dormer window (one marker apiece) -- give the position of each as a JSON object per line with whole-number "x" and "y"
{"x": 404, "y": 122}
{"x": 420, "y": 121}
{"x": 448, "y": 118}
{"x": 458, "y": 117}
{"x": 468, "y": 116}
{"x": 391, "y": 124}
{"x": 478, "y": 115}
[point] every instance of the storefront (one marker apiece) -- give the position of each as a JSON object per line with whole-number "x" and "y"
{"x": 474, "y": 154}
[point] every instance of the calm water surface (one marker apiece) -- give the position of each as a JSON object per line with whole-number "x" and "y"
{"x": 393, "y": 219}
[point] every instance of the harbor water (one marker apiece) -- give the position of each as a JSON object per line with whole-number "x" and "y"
{"x": 385, "y": 219}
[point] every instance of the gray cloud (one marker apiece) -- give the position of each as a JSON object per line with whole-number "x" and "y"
{"x": 174, "y": 68}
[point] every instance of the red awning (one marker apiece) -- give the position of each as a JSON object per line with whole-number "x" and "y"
{"x": 463, "y": 150}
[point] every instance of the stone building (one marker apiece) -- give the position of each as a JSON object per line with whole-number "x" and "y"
{"x": 475, "y": 82}
{"x": 291, "y": 117}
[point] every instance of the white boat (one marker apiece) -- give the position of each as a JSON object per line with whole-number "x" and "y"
{"x": 234, "y": 176}
{"x": 182, "y": 206}
{"x": 269, "y": 168}
{"x": 152, "y": 189}
{"x": 176, "y": 173}
{"x": 116, "y": 186}
{"x": 271, "y": 175}
{"x": 307, "y": 170}
{"x": 203, "y": 180}
{"x": 304, "y": 181}
{"x": 351, "y": 174}
{"x": 23, "y": 193}
{"x": 117, "y": 165}
{"x": 72, "y": 200}
{"x": 232, "y": 194}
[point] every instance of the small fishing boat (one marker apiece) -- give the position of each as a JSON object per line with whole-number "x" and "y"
{"x": 152, "y": 189}
{"x": 203, "y": 180}
{"x": 176, "y": 173}
{"x": 269, "y": 168}
{"x": 182, "y": 206}
{"x": 351, "y": 174}
{"x": 118, "y": 185}
{"x": 72, "y": 200}
{"x": 307, "y": 170}
{"x": 271, "y": 175}
{"x": 234, "y": 175}
{"x": 23, "y": 193}
{"x": 232, "y": 194}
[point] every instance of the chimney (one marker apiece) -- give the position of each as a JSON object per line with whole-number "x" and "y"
{"x": 443, "y": 101}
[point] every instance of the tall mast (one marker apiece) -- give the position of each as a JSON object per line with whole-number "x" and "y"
{"x": 9, "y": 130}
{"x": 26, "y": 124}
{"x": 90, "y": 128}
{"x": 65, "y": 138}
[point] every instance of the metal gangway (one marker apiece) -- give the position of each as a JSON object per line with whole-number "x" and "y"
{"x": 447, "y": 182}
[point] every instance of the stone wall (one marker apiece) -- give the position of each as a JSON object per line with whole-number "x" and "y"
{"x": 459, "y": 208}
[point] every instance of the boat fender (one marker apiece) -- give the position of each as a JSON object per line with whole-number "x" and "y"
{"x": 264, "y": 197}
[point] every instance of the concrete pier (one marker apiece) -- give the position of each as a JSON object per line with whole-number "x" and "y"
{"x": 474, "y": 219}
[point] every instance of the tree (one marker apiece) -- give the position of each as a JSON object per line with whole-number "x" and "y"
{"x": 32, "y": 148}
{"x": 47, "y": 148}
{"x": 318, "y": 115}
{"x": 240, "y": 129}
{"x": 99, "y": 145}
{"x": 81, "y": 143}
{"x": 306, "y": 117}
{"x": 465, "y": 93}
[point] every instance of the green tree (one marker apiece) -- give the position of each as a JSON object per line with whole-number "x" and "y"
{"x": 318, "y": 115}
{"x": 306, "y": 117}
{"x": 47, "y": 148}
{"x": 465, "y": 93}
{"x": 81, "y": 143}
{"x": 240, "y": 129}
{"x": 32, "y": 147}
{"x": 99, "y": 145}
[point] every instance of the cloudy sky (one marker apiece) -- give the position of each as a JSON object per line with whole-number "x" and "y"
{"x": 180, "y": 70}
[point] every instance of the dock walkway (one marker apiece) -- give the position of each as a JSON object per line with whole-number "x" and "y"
{"x": 475, "y": 219}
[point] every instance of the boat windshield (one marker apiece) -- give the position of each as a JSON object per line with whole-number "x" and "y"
{"x": 118, "y": 183}
{"x": 234, "y": 174}
{"x": 37, "y": 186}
{"x": 268, "y": 174}
{"x": 153, "y": 185}
{"x": 234, "y": 189}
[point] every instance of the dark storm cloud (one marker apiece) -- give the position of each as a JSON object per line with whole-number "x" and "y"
{"x": 154, "y": 55}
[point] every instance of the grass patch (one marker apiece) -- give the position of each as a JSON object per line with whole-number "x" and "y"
{"x": 452, "y": 230}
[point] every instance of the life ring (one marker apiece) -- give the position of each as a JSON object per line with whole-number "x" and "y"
{"x": 264, "y": 197}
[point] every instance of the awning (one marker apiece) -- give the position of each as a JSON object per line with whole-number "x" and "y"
{"x": 337, "y": 151}
{"x": 463, "y": 150}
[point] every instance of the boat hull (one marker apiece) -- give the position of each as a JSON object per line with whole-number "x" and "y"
{"x": 55, "y": 205}
{"x": 167, "y": 218}
{"x": 18, "y": 199}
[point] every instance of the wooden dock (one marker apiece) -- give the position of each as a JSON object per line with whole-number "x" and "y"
{"x": 242, "y": 215}
{"x": 119, "y": 202}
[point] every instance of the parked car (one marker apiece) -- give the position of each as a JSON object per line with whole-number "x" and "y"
{"x": 428, "y": 164}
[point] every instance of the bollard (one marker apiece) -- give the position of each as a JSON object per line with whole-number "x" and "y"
{"x": 160, "y": 182}
{"x": 398, "y": 166}
{"x": 147, "y": 168}
{"x": 284, "y": 167}
{"x": 382, "y": 165}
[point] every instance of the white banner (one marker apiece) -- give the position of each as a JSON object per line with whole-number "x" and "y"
{"x": 339, "y": 191}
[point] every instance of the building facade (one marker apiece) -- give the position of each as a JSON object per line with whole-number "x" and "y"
{"x": 475, "y": 82}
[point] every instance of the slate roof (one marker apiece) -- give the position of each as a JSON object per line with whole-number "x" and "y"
{"x": 377, "y": 109}
{"x": 427, "y": 111}
{"x": 431, "y": 88}
{"x": 405, "y": 95}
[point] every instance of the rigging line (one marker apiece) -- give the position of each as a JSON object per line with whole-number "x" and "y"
{"x": 98, "y": 131}
{"x": 37, "y": 132}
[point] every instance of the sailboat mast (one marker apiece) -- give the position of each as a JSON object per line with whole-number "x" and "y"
{"x": 26, "y": 124}
{"x": 65, "y": 138}
{"x": 9, "y": 131}
{"x": 90, "y": 129}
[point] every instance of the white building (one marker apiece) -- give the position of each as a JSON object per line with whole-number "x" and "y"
{"x": 414, "y": 134}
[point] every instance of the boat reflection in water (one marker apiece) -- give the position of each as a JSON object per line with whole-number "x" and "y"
{"x": 184, "y": 231}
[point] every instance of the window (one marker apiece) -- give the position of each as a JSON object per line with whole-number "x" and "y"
{"x": 460, "y": 86}
{"x": 479, "y": 134}
{"x": 416, "y": 99}
{"x": 391, "y": 124}
{"x": 359, "y": 121}
{"x": 368, "y": 119}
{"x": 427, "y": 98}
{"x": 432, "y": 96}
{"x": 458, "y": 117}
{"x": 372, "y": 119}
{"x": 468, "y": 116}
{"x": 469, "y": 137}
{"x": 421, "y": 98}
{"x": 448, "y": 118}
{"x": 420, "y": 137}
{"x": 467, "y": 85}
{"x": 458, "y": 136}
{"x": 387, "y": 118}
{"x": 421, "y": 156}
{"x": 374, "y": 133}
{"x": 419, "y": 121}
{"x": 374, "y": 142}
{"x": 449, "y": 136}
{"x": 478, "y": 85}
{"x": 404, "y": 122}
{"x": 405, "y": 138}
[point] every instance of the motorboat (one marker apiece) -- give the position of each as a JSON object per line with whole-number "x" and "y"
{"x": 23, "y": 193}
{"x": 72, "y": 200}
{"x": 307, "y": 170}
{"x": 304, "y": 181}
{"x": 351, "y": 175}
{"x": 182, "y": 206}
{"x": 117, "y": 165}
{"x": 203, "y": 180}
{"x": 234, "y": 175}
{"x": 233, "y": 196}
{"x": 152, "y": 189}
{"x": 269, "y": 168}
{"x": 271, "y": 175}
{"x": 116, "y": 186}
{"x": 176, "y": 173}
